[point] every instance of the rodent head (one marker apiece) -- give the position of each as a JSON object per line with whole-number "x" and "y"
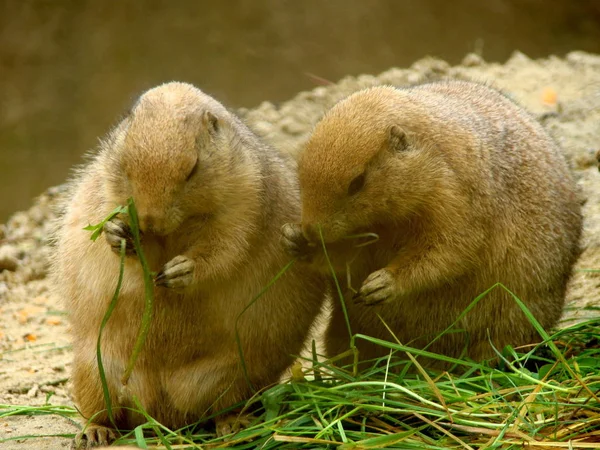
{"x": 363, "y": 166}
{"x": 167, "y": 155}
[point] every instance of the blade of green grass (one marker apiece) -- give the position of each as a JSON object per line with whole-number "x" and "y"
{"x": 148, "y": 293}
{"x": 109, "y": 311}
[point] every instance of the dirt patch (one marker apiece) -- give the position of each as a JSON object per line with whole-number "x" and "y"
{"x": 563, "y": 93}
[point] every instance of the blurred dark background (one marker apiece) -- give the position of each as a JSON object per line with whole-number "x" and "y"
{"x": 68, "y": 69}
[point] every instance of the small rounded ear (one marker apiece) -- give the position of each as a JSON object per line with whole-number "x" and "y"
{"x": 211, "y": 122}
{"x": 129, "y": 111}
{"x": 397, "y": 139}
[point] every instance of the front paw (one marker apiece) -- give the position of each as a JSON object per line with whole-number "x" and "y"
{"x": 231, "y": 423}
{"x": 94, "y": 436}
{"x": 177, "y": 273}
{"x": 115, "y": 231}
{"x": 379, "y": 287}
{"x": 294, "y": 242}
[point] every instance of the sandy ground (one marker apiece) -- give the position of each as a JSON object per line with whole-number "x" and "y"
{"x": 34, "y": 340}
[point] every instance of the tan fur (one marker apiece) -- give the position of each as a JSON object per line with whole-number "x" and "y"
{"x": 465, "y": 190}
{"x": 214, "y": 237}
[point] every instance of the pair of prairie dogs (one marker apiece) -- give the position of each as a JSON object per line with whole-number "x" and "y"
{"x": 462, "y": 187}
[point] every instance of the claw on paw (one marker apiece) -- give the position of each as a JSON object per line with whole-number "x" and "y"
{"x": 115, "y": 231}
{"x": 177, "y": 273}
{"x": 94, "y": 436}
{"x": 296, "y": 245}
{"x": 379, "y": 287}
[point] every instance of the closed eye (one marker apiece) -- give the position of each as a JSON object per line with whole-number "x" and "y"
{"x": 357, "y": 184}
{"x": 193, "y": 171}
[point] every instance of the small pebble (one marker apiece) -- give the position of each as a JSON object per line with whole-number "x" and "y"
{"x": 33, "y": 391}
{"x": 8, "y": 262}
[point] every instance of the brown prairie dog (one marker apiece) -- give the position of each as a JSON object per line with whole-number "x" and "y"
{"x": 211, "y": 201}
{"x": 465, "y": 190}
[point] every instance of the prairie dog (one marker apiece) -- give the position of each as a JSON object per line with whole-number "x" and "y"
{"x": 465, "y": 190}
{"x": 211, "y": 201}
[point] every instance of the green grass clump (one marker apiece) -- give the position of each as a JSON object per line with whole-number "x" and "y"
{"x": 545, "y": 397}
{"x": 537, "y": 399}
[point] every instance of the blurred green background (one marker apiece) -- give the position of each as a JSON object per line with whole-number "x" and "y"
{"x": 68, "y": 69}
